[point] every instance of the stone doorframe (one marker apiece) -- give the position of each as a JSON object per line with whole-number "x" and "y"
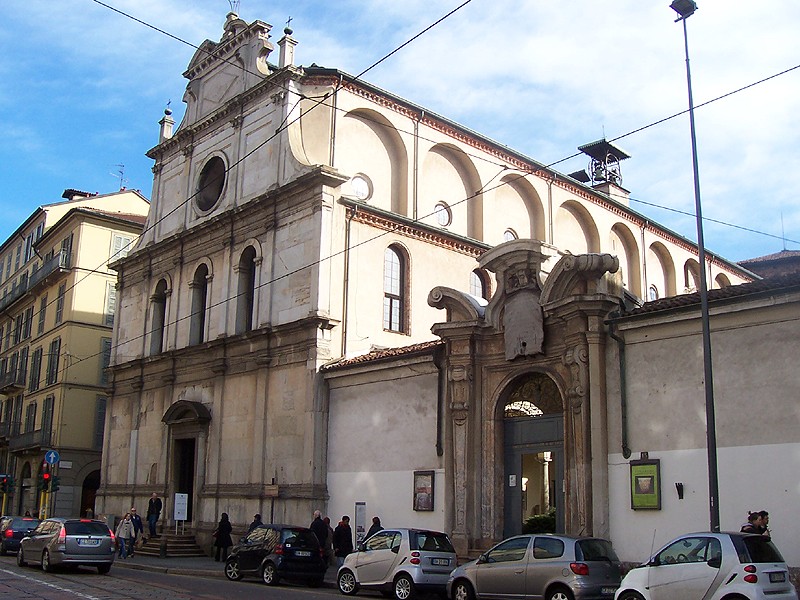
{"x": 555, "y": 326}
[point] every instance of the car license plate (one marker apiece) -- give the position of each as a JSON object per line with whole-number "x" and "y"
{"x": 778, "y": 577}
{"x": 89, "y": 542}
{"x": 440, "y": 562}
{"x": 302, "y": 553}
{"x": 608, "y": 591}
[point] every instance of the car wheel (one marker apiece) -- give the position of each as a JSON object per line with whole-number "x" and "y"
{"x": 46, "y": 566}
{"x": 559, "y": 593}
{"x": 269, "y": 574}
{"x": 403, "y": 588}
{"x": 103, "y": 569}
{"x": 347, "y": 583}
{"x": 463, "y": 591}
{"x": 232, "y": 570}
{"x": 630, "y": 595}
{"x": 20, "y": 559}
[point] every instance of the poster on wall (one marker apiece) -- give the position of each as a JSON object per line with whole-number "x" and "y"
{"x": 360, "y": 521}
{"x": 646, "y": 484}
{"x": 423, "y": 490}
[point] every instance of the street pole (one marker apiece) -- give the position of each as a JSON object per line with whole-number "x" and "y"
{"x": 686, "y": 8}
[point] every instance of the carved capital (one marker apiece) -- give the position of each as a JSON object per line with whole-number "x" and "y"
{"x": 576, "y": 359}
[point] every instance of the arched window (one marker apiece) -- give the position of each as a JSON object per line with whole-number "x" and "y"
{"x": 510, "y": 235}
{"x": 652, "y": 293}
{"x": 158, "y": 304}
{"x": 199, "y": 287}
{"x": 479, "y": 284}
{"x": 246, "y": 289}
{"x": 536, "y": 395}
{"x": 395, "y": 283}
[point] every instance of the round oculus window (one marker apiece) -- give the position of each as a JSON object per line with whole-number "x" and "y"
{"x": 362, "y": 188}
{"x": 210, "y": 184}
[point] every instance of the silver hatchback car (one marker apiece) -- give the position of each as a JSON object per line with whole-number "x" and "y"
{"x": 399, "y": 562}
{"x": 59, "y": 541}
{"x": 553, "y": 567}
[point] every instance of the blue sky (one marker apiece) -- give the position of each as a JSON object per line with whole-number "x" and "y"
{"x": 84, "y": 89}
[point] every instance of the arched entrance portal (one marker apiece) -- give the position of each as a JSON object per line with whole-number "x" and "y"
{"x": 88, "y": 492}
{"x": 533, "y": 451}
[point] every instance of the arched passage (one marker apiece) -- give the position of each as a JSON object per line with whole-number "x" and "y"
{"x": 533, "y": 455}
{"x": 91, "y": 483}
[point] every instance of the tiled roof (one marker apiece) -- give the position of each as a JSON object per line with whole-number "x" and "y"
{"x": 771, "y": 284}
{"x": 782, "y": 255}
{"x": 378, "y": 355}
{"x": 133, "y": 218}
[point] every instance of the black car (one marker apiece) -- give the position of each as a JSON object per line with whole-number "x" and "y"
{"x": 275, "y": 552}
{"x": 12, "y": 530}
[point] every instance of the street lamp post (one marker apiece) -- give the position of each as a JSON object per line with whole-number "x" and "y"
{"x": 685, "y": 9}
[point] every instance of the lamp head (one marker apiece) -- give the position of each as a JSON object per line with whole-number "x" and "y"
{"x": 685, "y": 8}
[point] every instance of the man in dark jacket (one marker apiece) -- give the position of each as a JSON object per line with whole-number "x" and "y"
{"x": 319, "y": 528}
{"x": 256, "y": 522}
{"x": 342, "y": 540}
{"x": 154, "y": 507}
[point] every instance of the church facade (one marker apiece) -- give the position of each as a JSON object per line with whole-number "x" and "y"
{"x": 299, "y": 220}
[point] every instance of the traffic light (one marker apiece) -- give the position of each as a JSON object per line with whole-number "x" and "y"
{"x": 5, "y": 484}
{"x": 44, "y": 481}
{"x": 54, "y": 483}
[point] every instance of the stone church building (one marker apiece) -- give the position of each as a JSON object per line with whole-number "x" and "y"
{"x": 344, "y": 301}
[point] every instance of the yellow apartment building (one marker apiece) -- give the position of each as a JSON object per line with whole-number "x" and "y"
{"x": 57, "y": 305}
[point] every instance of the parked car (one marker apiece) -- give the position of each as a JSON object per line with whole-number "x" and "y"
{"x": 59, "y": 541}
{"x": 400, "y": 562}
{"x": 713, "y": 566}
{"x": 275, "y": 552}
{"x": 12, "y": 530}
{"x": 554, "y": 567}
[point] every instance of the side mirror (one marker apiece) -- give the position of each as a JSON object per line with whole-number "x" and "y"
{"x": 362, "y": 547}
{"x": 654, "y": 562}
{"x": 715, "y": 562}
{"x": 242, "y": 540}
{"x": 482, "y": 559}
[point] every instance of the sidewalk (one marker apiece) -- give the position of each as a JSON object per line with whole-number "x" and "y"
{"x": 202, "y": 566}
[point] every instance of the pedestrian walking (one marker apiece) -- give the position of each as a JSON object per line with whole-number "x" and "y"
{"x": 374, "y": 528}
{"x": 124, "y": 534}
{"x": 329, "y": 557}
{"x": 256, "y": 522}
{"x": 138, "y": 529}
{"x": 222, "y": 538}
{"x": 154, "y": 507}
{"x": 342, "y": 540}
{"x": 319, "y": 528}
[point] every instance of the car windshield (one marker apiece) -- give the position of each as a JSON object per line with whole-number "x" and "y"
{"x": 756, "y": 549}
{"x": 299, "y": 538}
{"x": 594, "y": 549}
{"x": 430, "y": 541}
{"x": 86, "y": 528}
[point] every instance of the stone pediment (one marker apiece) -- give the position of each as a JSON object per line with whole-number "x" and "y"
{"x": 219, "y": 71}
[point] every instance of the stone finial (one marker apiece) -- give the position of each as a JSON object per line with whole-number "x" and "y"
{"x": 167, "y": 123}
{"x": 286, "y": 45}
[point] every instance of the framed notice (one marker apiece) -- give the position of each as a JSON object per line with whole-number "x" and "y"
{"x": 646, "y": 484}
{"x": 423, "y": 490}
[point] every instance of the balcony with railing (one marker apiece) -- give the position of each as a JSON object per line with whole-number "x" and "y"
{"x": 51, "y": 269}
{"x": 30, "y": 440}
{"x": 12, "y": 381}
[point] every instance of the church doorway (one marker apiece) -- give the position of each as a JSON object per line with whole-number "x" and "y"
{"x": 533, "y": 434}
{"x": 184, "y": 471}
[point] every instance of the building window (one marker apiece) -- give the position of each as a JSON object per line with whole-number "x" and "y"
{"x": 99, "y": 421}
{"x": 1, "y": 338}
{"x": 444, "y": 215}
{"x": 16, "y": 422}
{"x": 111, "y": 303}
{"x": 23, "y": 365}
{"x": 210, "y": 184}
{"x": 52, "y": 361}
{"x": 47, "y": 418}
{"x": 42, "y": 314}
{"x": 245, "y": 295}
{"x": 479, "y": 284}
{"x": 510, "y": 235}
{"x": 158, "y": 304}
{"x": 361, "y": 187}
{"x": 30, "y": 417}
{"x": 29, "y": 247}
{"x": 197, "y": 322}
{"x": 62, "y": 290}
{"x": 27, "y": 323}
{"x": 121, "y": 246}
{"x": 395, "y": 279}
{"x": 36, "y": 369}
{"x": 652, "y": 293}
{"x": 105, "y": 359}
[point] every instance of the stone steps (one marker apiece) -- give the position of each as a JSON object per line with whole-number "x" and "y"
{"x": 176, "y": 546}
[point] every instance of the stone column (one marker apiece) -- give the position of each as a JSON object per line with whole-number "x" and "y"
{"x": 459, "y": 383}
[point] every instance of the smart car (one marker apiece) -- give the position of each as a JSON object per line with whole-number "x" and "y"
{"x": 59, "y": 541}
{"x": 275, "y": 552}
{"x": 12, "y": 530}
{"x": 713, "y": 566}
{"x": 400, "y": 562}
{"x": 553, "y": 567}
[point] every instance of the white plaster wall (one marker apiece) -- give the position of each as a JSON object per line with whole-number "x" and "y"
{"x": 750, "y": 478}
{"x": 382, "y": 427}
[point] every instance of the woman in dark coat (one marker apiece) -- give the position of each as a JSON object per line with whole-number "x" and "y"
{"x": 222, "y": 538}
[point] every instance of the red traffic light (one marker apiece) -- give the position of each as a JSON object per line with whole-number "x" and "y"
{"x": 46, "y": 476}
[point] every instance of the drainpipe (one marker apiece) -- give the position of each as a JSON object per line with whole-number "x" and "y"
{"x": 346, "y": 279}
{"x": 415, "y": 181}
{"x": 441, "y": 365}
{"x": 623, "y": 395}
